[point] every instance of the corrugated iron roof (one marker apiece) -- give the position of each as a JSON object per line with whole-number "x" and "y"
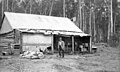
{"x": 42, "y": 24}
{"x": 32, "y": 21}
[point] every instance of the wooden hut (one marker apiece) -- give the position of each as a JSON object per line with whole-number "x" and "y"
{"x": 30, "y": 32}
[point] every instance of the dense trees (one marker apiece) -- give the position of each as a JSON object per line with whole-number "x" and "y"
{"x": 100, "y": 18}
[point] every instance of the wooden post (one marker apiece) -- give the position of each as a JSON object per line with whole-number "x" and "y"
{"x": 52, "y": 41}
{"x": 73, "y": 44}
{"x": 90, "y": 46}
{"x": 21, "y": 41}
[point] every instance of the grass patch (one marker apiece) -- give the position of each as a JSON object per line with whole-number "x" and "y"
{"x": 62, "y": 68}
{"x": 103, "y": 71}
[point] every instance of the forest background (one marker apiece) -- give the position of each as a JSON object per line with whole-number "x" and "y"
{"x": 100, "y": 18}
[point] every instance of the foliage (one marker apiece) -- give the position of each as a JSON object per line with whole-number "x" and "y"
{"x": 114, "y": 40}
{"x": 100, "y": 9}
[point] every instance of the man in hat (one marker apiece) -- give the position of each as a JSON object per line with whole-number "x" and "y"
{"x": 61, "y": 47}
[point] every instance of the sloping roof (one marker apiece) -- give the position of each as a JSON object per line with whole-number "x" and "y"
{"x": 32, "y": 21}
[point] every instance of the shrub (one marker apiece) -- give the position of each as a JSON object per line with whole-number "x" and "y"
{"x": 114, "y": 40}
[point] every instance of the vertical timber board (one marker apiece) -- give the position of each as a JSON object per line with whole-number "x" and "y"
{"x": 17, "y": 36}
{"x": 14, "y": 35}
{"x": 21, "y": 41}
{"x": 52, "y": 43}
{"x": 73, "y": 44}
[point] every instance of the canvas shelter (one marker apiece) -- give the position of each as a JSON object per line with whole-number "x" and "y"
{"x": 31, "y": 32}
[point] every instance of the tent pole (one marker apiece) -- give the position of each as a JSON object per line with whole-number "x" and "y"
{"x": 52, "y": 41}
{"x": 73, "y": 44}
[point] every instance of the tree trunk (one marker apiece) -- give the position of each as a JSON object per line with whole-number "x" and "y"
{"x": 114, "y": 23}
{"x": 7, "y": 5}
{"x": 2, "y": 8}
{"x": 80, "y": 14}
{"x": 94, "y": 14}
{"x": 83, "y": 19}
{"x": 63, "y": 8}
{"x": 94, "y": 26}
{"x": 90, "y": 23}
{"x": 90, "y": 20}
{"x": 51, "y": 8}
{"x": 30, "y": 6}
{"x": 12, "y": 5}
{"x": 110, "y": 24}
{"x": 111, "y": 19}
{"x": 45, "y": 11}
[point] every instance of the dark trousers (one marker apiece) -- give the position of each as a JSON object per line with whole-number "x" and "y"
{"x": 61, "y": 52}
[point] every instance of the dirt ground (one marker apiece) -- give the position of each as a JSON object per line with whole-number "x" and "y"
{"x": 106, "y": 59}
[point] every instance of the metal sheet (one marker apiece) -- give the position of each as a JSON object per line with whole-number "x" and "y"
{"x": 32, "y": 21}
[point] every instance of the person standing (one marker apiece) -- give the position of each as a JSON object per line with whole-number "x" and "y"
{"x": 61, "y": 47}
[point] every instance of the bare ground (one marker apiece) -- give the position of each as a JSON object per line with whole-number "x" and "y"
{"x": 106, "y": 59}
